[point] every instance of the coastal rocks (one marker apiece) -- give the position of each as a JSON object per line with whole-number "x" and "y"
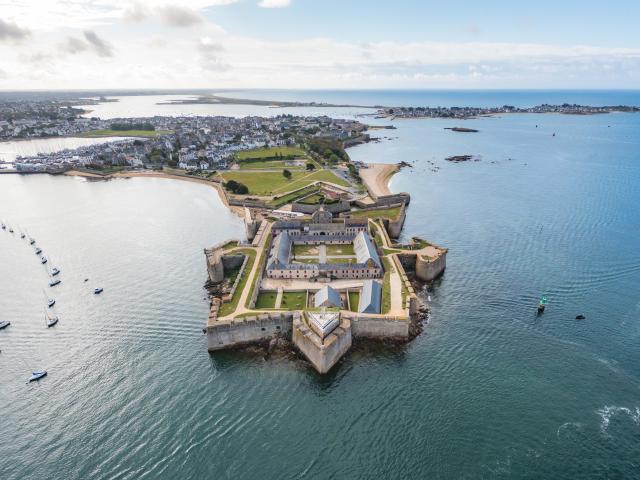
{"x": 462, "y": 129}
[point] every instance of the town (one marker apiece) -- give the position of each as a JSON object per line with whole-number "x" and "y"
{"x": 472, "y": 112}
{"x": 203, "y": 144}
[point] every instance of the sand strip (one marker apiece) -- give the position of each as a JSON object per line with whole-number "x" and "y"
{"x": 377, "y": 176}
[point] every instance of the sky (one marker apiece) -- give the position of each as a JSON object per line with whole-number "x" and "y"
{"x": 314, "y": 44}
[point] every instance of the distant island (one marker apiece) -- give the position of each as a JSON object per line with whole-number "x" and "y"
{"x": 216, "y": 99}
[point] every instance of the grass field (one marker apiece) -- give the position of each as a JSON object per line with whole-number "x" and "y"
{"x": 124, "y": 133}
{"x": 304, "y": 250}
{"x": 346, "y": 249}
{"x": 271, "y": 183}
{"x": 354, "y": 299}
{"x": 230, "y": 307}
{"x": 341, "y": 260}
{"x": 266, "y": 300}
{"x": 386, "y": 286}
{"x": 293, "y": 300}
{"x": 270, "y": 152}
{"x": 268, "y": 165}
{"x": 290, "y": 197}
{"x": 306, "y": 260}
{"x": 391, "y": 213}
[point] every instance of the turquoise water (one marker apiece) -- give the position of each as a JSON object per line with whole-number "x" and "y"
{"x": 489, "y": 390}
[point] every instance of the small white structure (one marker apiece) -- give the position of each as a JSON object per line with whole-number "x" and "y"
{"x": 323, "y": 322}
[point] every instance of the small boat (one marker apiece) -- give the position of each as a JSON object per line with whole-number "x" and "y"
{"x": 542, "y": 304}
{"x": 50, "y": 321}
{"x": 97, "y": 290}
{"x": 43, "y": 260}
{"x": 55, "y": 271}
{"x": 22, "y": 235}
{"x": 54, "y": 281}
{"x": 31, "y": 241}
{"x": 35, "y": 376}
{"x": 38, "y": 250}
{"x": 86, "y": 280}
{"x": 4, "y": 324}
{"x": 10, "y": 230}
{"x": 4, "y": 227}
{"x": 50, "y": 301}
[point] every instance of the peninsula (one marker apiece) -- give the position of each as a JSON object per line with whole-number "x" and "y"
{"x": 320, "y": 265}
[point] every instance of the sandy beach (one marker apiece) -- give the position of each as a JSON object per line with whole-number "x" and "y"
{"x": 376, "y": 177}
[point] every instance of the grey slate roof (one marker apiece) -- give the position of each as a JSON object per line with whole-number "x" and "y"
{"x": 327, "y": 297}
{"x": 281, "y": 250}
{"x": 370, "y": 297}
{"x": 365, "y": 249}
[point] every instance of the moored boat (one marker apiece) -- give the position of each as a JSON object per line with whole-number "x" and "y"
{"x": 97, "y": 290}
{"x": 37, "y": 375}
{"x": 43, "y": 260}
{"x": 38, "y": 250}
{"x": 4, "y": 324}
{"x": 55, "y": 271}
{"x": 49, "y": 320}
{"x": 54, "y": 281}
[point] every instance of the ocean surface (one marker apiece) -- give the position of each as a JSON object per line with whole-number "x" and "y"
{"x": 489, "y": 390}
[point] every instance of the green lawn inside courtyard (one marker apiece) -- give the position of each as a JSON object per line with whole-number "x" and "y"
{"x": 354, "y": 300}
{"x": 266, "y": 300}
{"x": 304, "y": 250}
{"x": 294, "y": 300}
{"x": 340, "y": 249}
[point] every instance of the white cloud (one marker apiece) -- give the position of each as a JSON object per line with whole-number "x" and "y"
{"x": 274, "y": 3}
{"x": 153, "y": 56}
{"x": 51, "y": 14}
{"x": 10, "y": 31}
{"x": 92, "y": 43}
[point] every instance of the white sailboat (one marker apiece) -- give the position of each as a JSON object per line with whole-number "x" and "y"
{"x": 50, "y": 320}
{"x": 37, "y": 375}
{"x": 50, "y": 301}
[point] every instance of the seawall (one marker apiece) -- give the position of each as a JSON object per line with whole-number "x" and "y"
{"x": 224, "y": 334}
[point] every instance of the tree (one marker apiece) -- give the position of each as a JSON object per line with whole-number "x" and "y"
{"x": 310, "y": 166}
{"x": 242, "y": 189}
{"x": 231, "y": 185}
{"x": 287, "y": 174}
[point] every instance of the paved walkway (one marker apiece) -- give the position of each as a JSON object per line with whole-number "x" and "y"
{"x": 322, "y": 253}
{"x": 278, "y": 298}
